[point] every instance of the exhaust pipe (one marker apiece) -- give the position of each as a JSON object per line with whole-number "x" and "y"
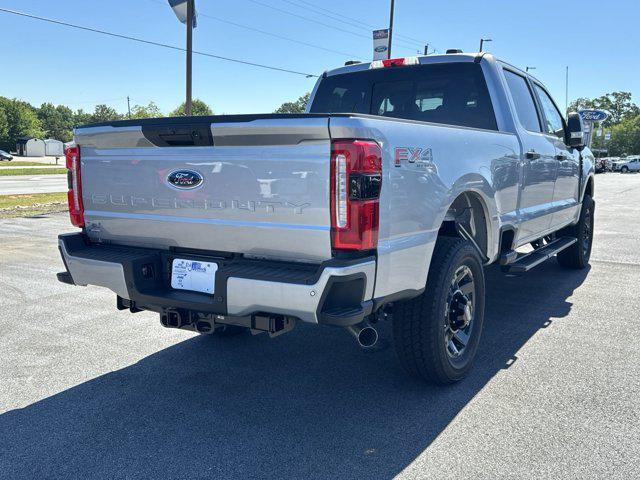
{"x": 365, "y": 334}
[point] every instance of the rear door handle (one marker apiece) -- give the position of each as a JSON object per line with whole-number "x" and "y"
{"x": 532, "y": 155}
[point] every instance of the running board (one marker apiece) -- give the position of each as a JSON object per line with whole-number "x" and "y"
{"x": 531, "y": 260}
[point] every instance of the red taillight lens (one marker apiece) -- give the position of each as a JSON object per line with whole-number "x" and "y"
{"x": 356, "y": 180}
{"x": 74, "y": 195}
{"x": 393, "y": 62}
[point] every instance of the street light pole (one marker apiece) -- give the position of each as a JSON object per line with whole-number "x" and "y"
{"x": 391, "y": 26}
{"x": 530, "y": 68}
{"x": 482, "y": 40}
{"x": 566, "y": 92}
{"x": 188, "y": 102}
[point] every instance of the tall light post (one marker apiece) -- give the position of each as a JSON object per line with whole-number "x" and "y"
{"x": 482, "y": 42}
{"x": 566, "y": 92}
{"x": 189, "y": 100}
{"x": 185, "y": 10}
{"x": 391, "y": 26}
{"x": 529, "y": 68}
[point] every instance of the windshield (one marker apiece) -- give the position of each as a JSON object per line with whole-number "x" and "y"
{"x": 452, "y": 93}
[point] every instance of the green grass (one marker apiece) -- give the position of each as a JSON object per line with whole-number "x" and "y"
{"x": 23, "y": 163}
{"x": 31, "y": 171}
{"x": 32, "y": 204}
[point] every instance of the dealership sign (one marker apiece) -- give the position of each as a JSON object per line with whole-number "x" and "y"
{"x": 594, "y": 115}
{"x": 381, "y": 44}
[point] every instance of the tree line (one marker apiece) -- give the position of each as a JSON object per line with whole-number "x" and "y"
{"x": 19, "y": 118}
{"x": 623, "y": 123}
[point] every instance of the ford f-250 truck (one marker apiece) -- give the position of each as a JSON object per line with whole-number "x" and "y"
{"x": 385, "y": 201}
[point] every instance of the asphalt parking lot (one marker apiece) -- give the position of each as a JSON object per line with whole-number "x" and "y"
{"x": 90, "y": 392}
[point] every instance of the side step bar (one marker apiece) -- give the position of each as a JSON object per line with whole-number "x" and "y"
{"x": 530, "y": 260}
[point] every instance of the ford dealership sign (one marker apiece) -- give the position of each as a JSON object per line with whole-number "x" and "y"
{"x": 594, "y": 115}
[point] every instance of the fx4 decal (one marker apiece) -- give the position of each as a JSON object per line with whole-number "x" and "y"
{"x": 416, "y": 155}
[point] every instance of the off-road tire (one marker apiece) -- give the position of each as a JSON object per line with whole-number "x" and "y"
{"x": 577, "y": 255}
{"x": 419, "y": 324}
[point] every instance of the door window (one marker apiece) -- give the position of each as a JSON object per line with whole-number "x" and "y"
{"x": 553, "y": 119}
{"x": 523, "y": 100}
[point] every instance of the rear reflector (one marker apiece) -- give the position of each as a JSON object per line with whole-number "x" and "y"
{"x": 395, "y": 62}
{"x": 74, "y": 179}
{"x": 356, "y": 180}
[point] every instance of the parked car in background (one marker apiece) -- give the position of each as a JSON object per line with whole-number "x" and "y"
{"x": 631, "y": 164}
{"x": 5, "y": 156}
{"x": 601, "y": 165}
{"x": 616, "y": 163}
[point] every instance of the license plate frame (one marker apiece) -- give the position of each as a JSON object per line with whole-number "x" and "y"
{"x": 194, "y": 275}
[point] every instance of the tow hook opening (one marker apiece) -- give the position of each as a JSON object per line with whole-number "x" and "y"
{"x": 173, "y": 319}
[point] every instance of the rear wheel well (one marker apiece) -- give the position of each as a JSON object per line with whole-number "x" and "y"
{"x": 469, "y": 212}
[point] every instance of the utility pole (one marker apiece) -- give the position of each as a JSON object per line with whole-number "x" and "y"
{"x": 391, "y": 25}
{"x": 482, "y": 41}
{"x": 129, "y": 106}
{"x": 566, "y": 93}
{"x": 530, "y": 68}
{"x": 190, "y": 12}
{"x": 426, "y": 49}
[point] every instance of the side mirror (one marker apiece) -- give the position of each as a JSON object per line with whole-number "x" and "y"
{"x": 575, "y": 131}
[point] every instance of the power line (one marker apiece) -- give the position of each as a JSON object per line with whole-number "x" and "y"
{"x": 313, "y": 20}
{"x": 263, "y": 32}
{"x": 341, "y": 18}
{"x": 150, "y": 42}
{"x": 363, "y": 26}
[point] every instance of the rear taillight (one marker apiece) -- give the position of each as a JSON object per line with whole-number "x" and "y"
{"x": 356, "y": 179}
{"x": 74, "y": 195}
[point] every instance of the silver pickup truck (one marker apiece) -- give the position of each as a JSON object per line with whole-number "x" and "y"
{"x": 385, "y": 201}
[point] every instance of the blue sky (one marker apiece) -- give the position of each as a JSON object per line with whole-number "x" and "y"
{"x": 43, "y": 62}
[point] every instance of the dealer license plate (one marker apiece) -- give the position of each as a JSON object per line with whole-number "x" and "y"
{"x": 196, "y": 276}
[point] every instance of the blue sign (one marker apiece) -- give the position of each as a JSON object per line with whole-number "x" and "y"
{"x": 593, "y": 115}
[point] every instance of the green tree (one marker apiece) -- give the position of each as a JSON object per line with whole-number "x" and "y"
{"x": 57, "y": 122}
{"x": 146, "y": 111}
{"x": 80, "y": 117}
{"x": 618, "y": 104}
{"x": 4, "y": 125}
{"x": 298, "y": 106}
{"x": 625, "y": 138}
{"x": 103, "y": 113}
{"x": 198, "y": 108}
{"x": 21, "y": 119}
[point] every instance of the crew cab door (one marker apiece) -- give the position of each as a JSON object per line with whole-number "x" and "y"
{"x": 565, "y": 194}
{"x": 539, "y": 164}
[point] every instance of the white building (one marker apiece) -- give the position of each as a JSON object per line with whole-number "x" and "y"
{"x": 30, "y": 147}
{"x": 53, "y": 148}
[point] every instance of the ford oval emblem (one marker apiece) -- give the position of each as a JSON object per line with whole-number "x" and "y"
{"x": 185, "y": 179}
{"x": 594, "y": 115}
{"x": 381, "y": 48}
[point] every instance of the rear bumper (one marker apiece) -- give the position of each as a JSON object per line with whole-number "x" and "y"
{"x": 337, "y": 292}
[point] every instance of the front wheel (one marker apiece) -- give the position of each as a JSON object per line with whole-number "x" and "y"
{"x": 436, "y": 334}
{"x": 624, "y": 169}
{"x": 577, "y": 256}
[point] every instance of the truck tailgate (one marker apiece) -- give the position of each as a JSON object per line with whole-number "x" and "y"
{"x": 257, "y": 186}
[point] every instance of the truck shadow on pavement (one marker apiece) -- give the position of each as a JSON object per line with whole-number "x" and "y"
{"x": 306, "y": 405}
